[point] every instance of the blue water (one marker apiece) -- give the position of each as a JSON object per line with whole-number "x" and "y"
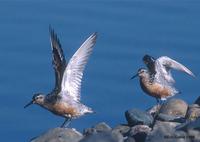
{"x": 127, "y": 30}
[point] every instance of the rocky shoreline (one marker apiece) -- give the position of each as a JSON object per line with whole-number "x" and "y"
{"x": 175, "y": 120}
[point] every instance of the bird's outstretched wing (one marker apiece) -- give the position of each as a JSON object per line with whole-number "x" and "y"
{"x": 58, "y": 59}
{"x": 71, "y": 82}
{"x": 164, "y": 64}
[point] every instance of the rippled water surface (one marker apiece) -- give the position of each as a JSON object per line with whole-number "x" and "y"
{"x": 127, "y": 30}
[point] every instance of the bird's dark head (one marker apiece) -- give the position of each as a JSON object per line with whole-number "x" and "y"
{"x": 37, "y": 98}
{"x": 141, "y": 72}
{"x": 147, "y": 59}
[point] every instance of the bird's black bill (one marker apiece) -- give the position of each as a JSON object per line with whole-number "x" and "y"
{"x": 30, "y": 103}
{"x": 134, "y": 76}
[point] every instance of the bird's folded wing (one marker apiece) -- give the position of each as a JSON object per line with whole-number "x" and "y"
{"x": 71, "y": 82}
{"x": 58, "y": 58}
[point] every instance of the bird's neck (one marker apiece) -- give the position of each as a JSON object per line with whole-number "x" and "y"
{"x": 145, "y": 83}
{"x": 45, "y": 105}
{"x": 146, "y": 79}
{"x": 49, "y": 101}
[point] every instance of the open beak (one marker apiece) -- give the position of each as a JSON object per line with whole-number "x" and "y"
{"x": 30, "y": 103}
{"x": 134, "y": 76}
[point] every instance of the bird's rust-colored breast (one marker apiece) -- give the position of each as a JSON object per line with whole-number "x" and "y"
{"x": 63, "y": 109}
{"x": 155, "y": 89}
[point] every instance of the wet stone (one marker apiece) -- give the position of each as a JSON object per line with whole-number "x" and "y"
{"x": 136, "y": 117}
{"x": 170, "y": 118}
{"x": 139, "y": 132}
{"x": 139, "y": 129}
{"x": 194, "y": 135}
{"x": 123, "y": 129}
{"x": 59, "y": 135}
{"x": 130, "y": 139}
{"x": 104, "y": 137}
{"x": 174, "y": 107}
{"x": 89, "y": 131}
{"x": 195, "y": 124}
{"x": 180, "y": 136}
{"x": 162, "y": 131}
{"x": 153, "y": 110}
{"x": 101, "y": 127}
{"x": 193, "y": 112}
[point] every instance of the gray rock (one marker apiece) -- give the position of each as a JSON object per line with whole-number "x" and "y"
{"x": 190, "y": 125}
{"x": 89, "y": 131}
{"x": 153, "y": 110}
{"x": 129, "y": 139}
{"x": 136, "y": 117}
{"x": 181, "y": 133}
{"x": 100, "y": 127}
{"x": 139, "y": 129}
{"x": 123, "y": 129}
{"x": 181, "y": 136}
{"x": 170, "y": 118}
{"x": 139, "y": 132}
{"x": 104, "y": 137}
{"x": 174, "y": 107}
{"x": 59, "y": 135}
{"x": 162, "y": 132}
{"x": 194, "y": 135}
{"x": 193, "y": 112}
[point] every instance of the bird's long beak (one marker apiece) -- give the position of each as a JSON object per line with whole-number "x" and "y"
{"x": 134, "y": 76}
{"x": 30, "y": 103}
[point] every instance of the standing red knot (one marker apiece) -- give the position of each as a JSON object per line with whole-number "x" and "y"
{"x": 157, "y": 80}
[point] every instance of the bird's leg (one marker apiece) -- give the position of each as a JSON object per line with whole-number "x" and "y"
{"x": 158, "y": 101}
{"x": 66, "y": 122}
{"x": 157, "y": 111}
